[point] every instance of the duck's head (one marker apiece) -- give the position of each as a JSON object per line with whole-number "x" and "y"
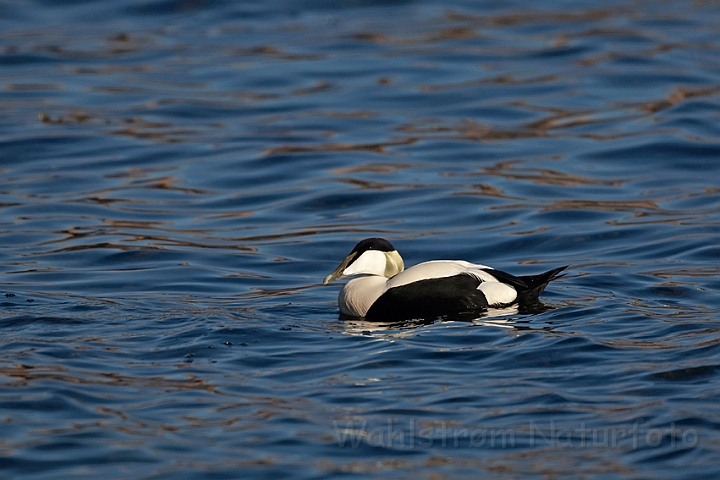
{"x": 372, "y": 256}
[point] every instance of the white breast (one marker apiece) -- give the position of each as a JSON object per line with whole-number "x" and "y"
{"x": 358, "y": 294}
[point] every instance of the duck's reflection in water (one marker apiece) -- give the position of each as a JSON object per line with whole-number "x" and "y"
{"x": 494, "y": 317}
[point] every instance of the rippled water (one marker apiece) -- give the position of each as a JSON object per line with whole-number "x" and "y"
{"x": 177, "y": 177}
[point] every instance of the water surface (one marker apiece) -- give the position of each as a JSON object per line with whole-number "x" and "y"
{"x": 177, "y": 178}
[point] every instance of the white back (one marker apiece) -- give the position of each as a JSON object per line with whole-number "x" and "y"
{"x": 439, "y": 269}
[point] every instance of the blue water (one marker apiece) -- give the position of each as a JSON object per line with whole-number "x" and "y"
{"x": 177, "y": 177}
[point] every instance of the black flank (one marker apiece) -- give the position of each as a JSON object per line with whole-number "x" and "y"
{"x": 429, "y": 299}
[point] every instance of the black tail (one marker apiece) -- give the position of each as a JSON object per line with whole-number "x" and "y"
{"x": 537, "y": 283}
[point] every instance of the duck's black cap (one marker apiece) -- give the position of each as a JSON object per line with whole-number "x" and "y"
{"x": 373, "y": 244}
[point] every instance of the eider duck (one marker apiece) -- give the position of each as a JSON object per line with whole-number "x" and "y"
{"x": 385, "y": 291}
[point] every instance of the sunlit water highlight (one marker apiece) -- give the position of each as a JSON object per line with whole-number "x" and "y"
{"x": 177, "y": 178}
